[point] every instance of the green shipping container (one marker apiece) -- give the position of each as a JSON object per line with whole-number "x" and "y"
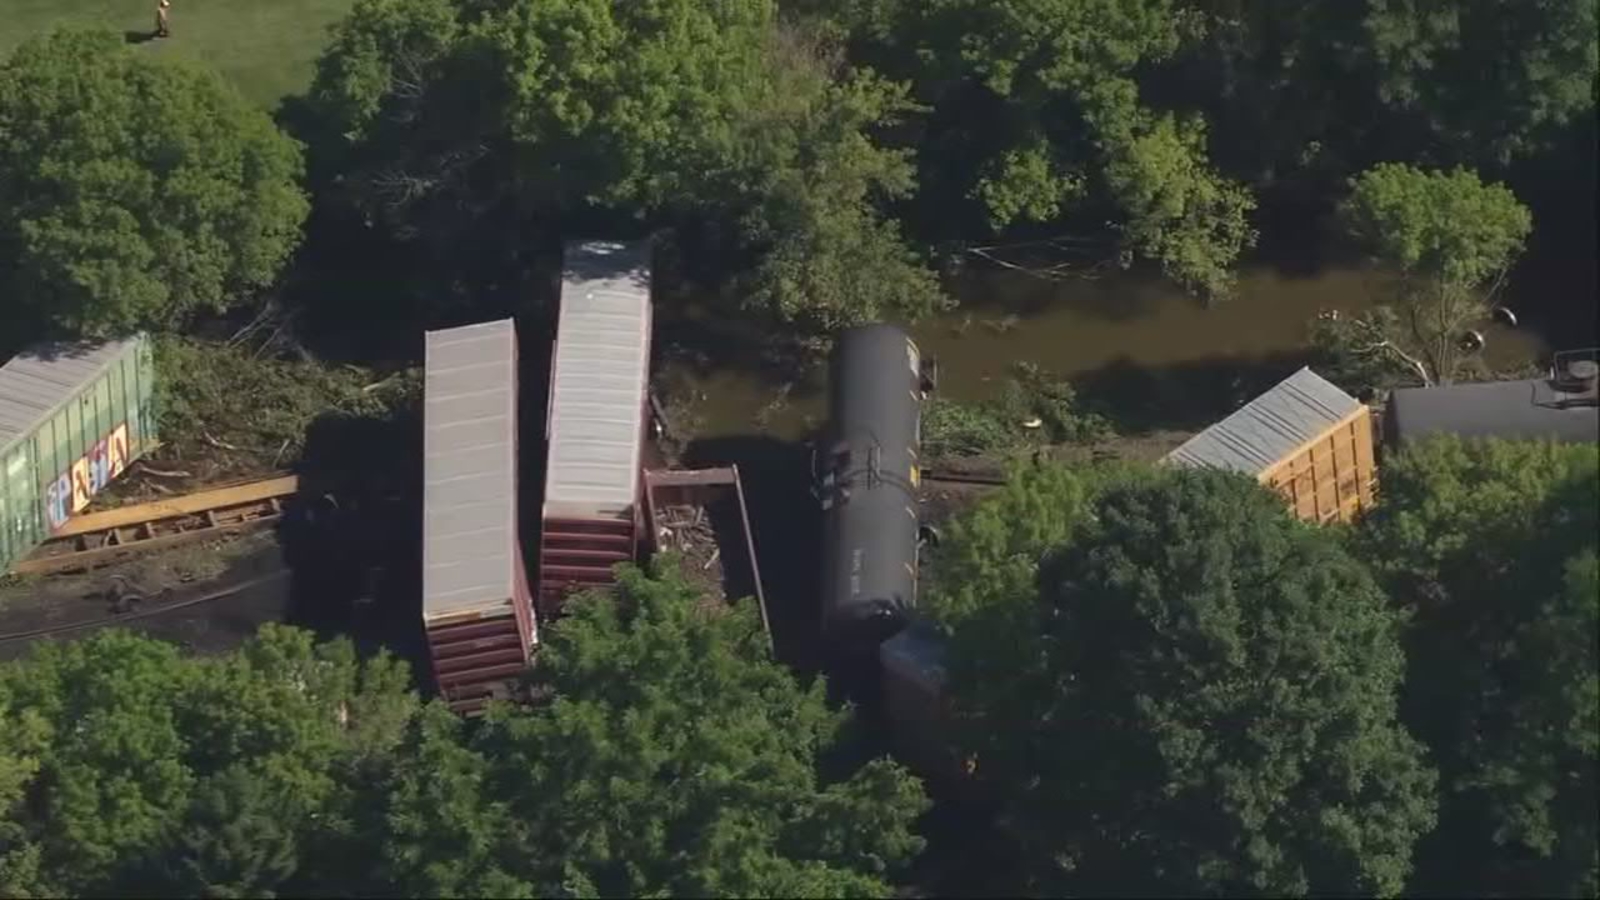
{"x": 72, "y": 418}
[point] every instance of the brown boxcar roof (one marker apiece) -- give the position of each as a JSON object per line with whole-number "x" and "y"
{"x": 1260, "y": 434}
{"x": 469, "y": 550}
{"x": 38, "y": 381}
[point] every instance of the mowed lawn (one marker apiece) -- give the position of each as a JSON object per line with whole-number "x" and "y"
{"x": 266, "y": 47}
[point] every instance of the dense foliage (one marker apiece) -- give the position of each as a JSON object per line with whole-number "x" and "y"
{"x": 155, "y": 772}
{"x": 134, "y": 192}
{"x": 1490, "y": 547}
{"x": 1451, "y": 240}
{"x": 670, "y": 756}
{"x": 752, "y": 139}
{"x": 1236, "y": 669}
{"x": 689, "y": 761}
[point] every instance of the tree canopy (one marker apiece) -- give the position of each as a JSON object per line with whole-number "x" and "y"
{"x": 1450, "y": 239}
{"x": 1490, "y": 547}
{"x": 690, "y": 760}
{"x": 1236, "y": 669}
{"x": 751, "y": 139}
{"x": 670, "y": 756}
{"x": 135, "y": 192}
{"x": 151, "y": 771}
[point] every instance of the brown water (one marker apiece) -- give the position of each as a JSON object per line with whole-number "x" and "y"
{"x": 1125, "y": 331}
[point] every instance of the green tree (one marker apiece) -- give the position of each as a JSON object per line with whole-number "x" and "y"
{"x": 1302, "y": 94}
{"x": 1036, "y": 118}
{"x": 110, "y": 782}
{"x": 135, "y": 769}
{"x": 459, "y": 123}
{"x": 1237, "y": 670}
{"x": 1489, "y": 546}
{"x": 135, "y": 191}
{"x": 1490, "y": 79}
{"x": 677, "y": 758}
{"x": 23, "y": 740}
{"x": 1451, "y": 239}
{"x": 433, "y": 825}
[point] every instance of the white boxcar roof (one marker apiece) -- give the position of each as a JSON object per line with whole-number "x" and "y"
{"x": 469, "y": 501}
{"x": 1294, "y": 412}
{"x": 598, "y": 381}
{"x": 37, "y": 382}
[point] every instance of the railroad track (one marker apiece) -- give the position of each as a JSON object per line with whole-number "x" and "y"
{"x": 953, "y": 476}
{"x": 161, "y": 609}
{"x": 102, "y": 538}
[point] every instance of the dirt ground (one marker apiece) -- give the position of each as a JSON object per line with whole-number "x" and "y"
{"x": 56, "y": 601}
{"x": 159, "y": 477}
{"x": 941, "y": 500}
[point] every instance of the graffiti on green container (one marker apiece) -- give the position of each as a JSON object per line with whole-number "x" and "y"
{"x": 73, "y": 489}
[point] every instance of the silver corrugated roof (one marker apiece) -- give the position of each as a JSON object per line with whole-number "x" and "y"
{"x": 36, "y": 382}
{"x": 598, "y": 390}
{"x": 1261, "y": 433}
{"x": 469, "y": 445}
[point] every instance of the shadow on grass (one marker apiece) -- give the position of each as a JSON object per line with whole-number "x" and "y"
{"x": 139, "y": 37}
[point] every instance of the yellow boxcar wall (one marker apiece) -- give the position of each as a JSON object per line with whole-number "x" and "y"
{"x": 1332, "y": 478}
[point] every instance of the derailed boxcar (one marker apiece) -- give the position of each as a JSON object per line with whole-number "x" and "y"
{"x": 915, "y": 700}
{"x": 73, "y": 416}
{"x": 867, "y": 473}
{"x": 477, "y": 611}
{"x": 599, "y": 406}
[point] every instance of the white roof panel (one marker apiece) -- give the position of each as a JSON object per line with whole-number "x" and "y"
{"x": 469, "y": 549}
{"x": 1294, "y": 412}
{"x": 599, "y": 377}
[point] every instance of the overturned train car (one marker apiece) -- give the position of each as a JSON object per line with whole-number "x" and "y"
{"x": 866, "y": 471}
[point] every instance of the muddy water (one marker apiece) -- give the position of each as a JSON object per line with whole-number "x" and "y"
{"x": 1126, "y": 336}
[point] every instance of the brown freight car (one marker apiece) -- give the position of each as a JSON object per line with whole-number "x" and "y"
{"x": 599, "y": 406}
{"x": 476, "y": 607}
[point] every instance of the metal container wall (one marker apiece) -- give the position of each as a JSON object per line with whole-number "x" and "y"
{"x": 1333, "y": 478}
{"x": 867, "y": 476}
{"x": 104, "y": 421}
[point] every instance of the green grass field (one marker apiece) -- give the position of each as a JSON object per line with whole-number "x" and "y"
{"x": 266, "y": 47}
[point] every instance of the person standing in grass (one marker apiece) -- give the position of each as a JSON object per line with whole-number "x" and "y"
{"x": 162, "y": 8}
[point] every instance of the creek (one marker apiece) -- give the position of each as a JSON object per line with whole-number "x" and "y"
{"x": 1133, "y": 342}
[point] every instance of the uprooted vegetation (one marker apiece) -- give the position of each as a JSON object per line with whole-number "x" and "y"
{"x": 227, "y": 411}
{"x": 1033, "y": 409}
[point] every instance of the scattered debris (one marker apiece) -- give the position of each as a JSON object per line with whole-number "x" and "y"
{"x": 687, "y": 531}
{"x": 164, "y": 473}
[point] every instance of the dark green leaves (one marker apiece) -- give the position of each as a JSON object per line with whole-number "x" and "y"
{"x": 136, "y": 192}
{"x": 1197, "y": 697}
{"x": 1490, "y": 548}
